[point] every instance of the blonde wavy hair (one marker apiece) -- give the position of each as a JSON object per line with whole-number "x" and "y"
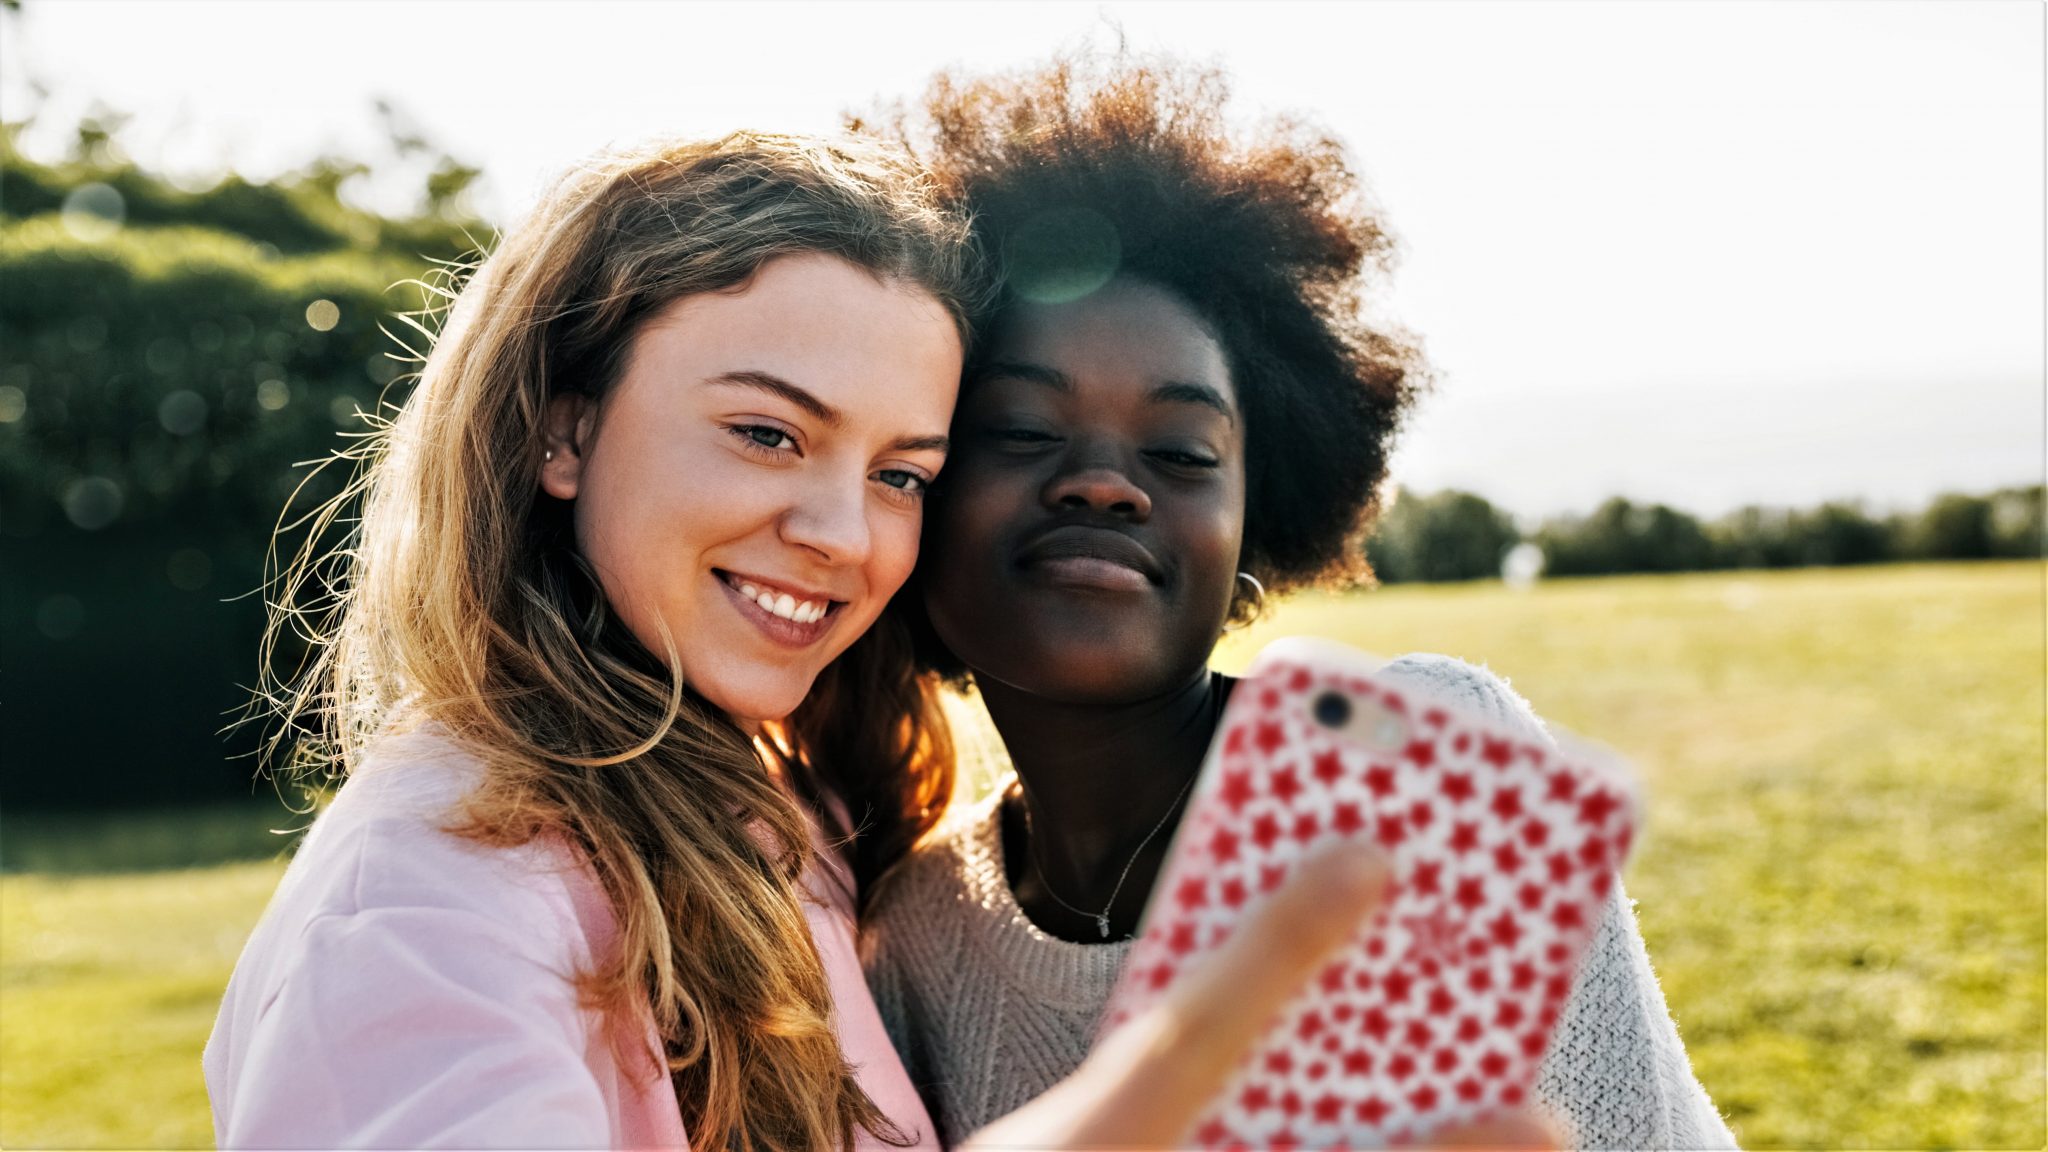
{"x": 456, "y": 598}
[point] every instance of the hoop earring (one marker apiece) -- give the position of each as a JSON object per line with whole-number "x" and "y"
{"x": 1258, "y": 601}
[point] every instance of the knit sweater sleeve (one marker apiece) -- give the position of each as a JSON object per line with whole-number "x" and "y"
{"x": 1616, "y": 1072}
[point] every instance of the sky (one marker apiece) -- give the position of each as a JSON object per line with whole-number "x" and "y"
{"x": 1707, "y": 254}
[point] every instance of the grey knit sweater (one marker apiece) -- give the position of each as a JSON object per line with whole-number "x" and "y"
{"x": 988, "y": 1011}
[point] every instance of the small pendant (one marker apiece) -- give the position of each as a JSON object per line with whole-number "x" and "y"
{"x": 1102, "y": 924}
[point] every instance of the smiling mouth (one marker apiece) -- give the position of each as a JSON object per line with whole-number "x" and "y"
{"x": 1090, "y": 573}
{"x": 1086, "y": 559}
{"x": 778, "y": 602}
{"x": 786, "y": 616}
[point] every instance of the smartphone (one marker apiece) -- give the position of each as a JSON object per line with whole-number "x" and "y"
{"x": 1439, "y": 1010}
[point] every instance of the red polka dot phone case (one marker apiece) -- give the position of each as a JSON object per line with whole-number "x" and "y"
{"x": 1504, "y": 851}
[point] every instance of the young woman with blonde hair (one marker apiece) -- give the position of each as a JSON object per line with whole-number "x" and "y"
{"x": 620, "y": 720}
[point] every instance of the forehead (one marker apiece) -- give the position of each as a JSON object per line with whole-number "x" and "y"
{"x": 1129, "y": 333}
{"x": 880, "y": 349}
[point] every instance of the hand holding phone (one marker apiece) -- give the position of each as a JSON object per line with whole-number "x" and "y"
{"x": 1144, "y": 1088}
{"x": 1503, "y": 851}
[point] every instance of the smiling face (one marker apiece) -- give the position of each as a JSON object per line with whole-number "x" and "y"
{"x": 1084, "y": 544}
{"x": 754, "y": 481}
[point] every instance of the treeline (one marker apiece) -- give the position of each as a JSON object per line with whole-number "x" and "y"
{"x": 1454, "y": 535}
{"x": 170, "y": 360}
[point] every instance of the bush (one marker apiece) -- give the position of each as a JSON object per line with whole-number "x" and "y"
{"x": 175, "y": 373}
{"x": 164, "y": 382}
{"x": 300, "y": 214}
{"x": 1832, "y": 535}
{"x": 1953, "y": 527}
{"x": 1447, "y": 535}
{"x": 1624, "y": 537}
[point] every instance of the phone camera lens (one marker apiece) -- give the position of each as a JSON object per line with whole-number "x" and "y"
{"x": 1332, "y": 710}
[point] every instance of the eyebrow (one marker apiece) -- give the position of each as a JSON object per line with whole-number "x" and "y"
{"x": 921, "y": 444}
{"x": 776, "y": 386}
{"x": 824, "y": 413}
{"x": 1171, "y": 392}
{"x": 1031, "y": 373}
{"x": 1176, "y": 392}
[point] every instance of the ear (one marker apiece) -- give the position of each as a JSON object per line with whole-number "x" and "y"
{"x": 565, "y": 438}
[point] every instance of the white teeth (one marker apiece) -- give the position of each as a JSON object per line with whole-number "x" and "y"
{"x": 785, "y": 605}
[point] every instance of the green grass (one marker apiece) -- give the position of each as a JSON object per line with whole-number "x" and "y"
{"x": 1842, "y": 882}
{"x": 110, "y": 986}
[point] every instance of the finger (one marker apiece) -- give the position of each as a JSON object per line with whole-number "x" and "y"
{"x": 1501, "y": 1130}
{"x": 1181, "y": 1052}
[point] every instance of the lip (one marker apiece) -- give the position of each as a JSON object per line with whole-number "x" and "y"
{"x": 1096, "y": 559}
{"x": 787, "y": 633}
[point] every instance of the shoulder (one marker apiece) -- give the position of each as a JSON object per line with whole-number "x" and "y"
{"x": 934, "y": 874}
{"x": 1475, "y": 688}
{"x": 911, "y": 934}
{"x": 1616, "y": 1071}
{"x": 384, "y": 846}
{"x": 396, "y": 954}
{"x": 928, "y": 906}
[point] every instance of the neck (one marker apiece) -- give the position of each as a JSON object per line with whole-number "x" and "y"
{"x": 1094, "y": 782}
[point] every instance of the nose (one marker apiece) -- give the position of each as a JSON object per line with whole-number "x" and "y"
{"x": 830, "y": 520}
{"x": 1097, "y": 484}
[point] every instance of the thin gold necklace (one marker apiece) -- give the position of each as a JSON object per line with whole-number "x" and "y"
{"x": 1101, "y": 918}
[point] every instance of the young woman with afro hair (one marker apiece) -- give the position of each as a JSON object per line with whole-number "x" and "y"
{"x": 1176, "y": 410}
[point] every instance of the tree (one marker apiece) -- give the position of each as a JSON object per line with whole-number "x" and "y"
{"x": 1839, "y": 534}
{"x": 1449, "y": 535}
{"x": 164, "y": 368}
{"x": 1954, "y": 527}
{"x": 1624, "y": 537}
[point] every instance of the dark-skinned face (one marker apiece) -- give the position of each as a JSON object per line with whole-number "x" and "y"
{"x": 1083, "y": 543}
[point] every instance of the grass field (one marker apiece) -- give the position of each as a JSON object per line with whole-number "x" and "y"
{"x": 1842, "y": 883}
{"x": 1842, "y": 879}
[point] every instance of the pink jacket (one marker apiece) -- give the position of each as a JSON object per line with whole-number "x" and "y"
{"x": 409, "y": 989}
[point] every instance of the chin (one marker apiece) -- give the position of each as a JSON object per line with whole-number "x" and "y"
{"x": 751, "y": 705}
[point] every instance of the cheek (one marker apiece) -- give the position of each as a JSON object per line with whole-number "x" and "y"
{"x": 629, "y": 575}
{"x": 1225, "y": 539}
{"x": 604, "y": 532}
{"x": 961, "y": 525}
{"x": 895, "y": 553}
{"x": 1230, "y": 522}
{"x": 1216, "y": 547}
{"x": 642, "y": 520}
{"x": 945, "y": 533}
